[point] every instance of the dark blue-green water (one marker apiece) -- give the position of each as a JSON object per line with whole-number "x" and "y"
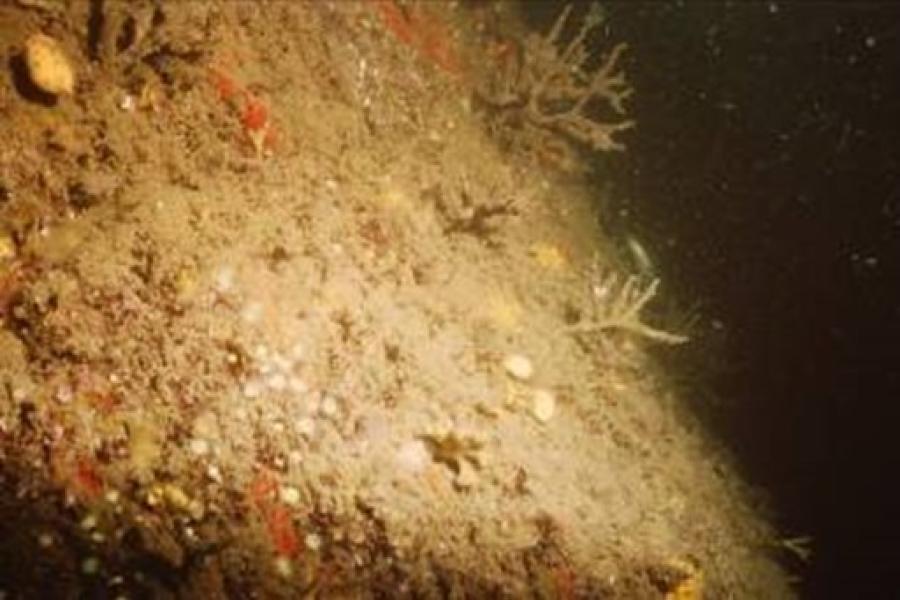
{"x": 765, "y": 176}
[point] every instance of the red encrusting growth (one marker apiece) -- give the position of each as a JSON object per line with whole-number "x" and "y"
{"x": 564, "y": 579}
{"x": 261, "y": 495}
{"x": 252, "y": 112}
{"x": 394, "y": 19}
{"x": 104, "y": 401}
{"x": 281, "y": 530}
{"x": 261, "y": 491}
{"x": 255, "y": 116}
{"x": 86, "y": 481}
{"x": 226, "y": 87}
{"x": 422, "y": 31}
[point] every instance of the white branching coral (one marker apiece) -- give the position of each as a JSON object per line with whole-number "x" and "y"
{"x": 618, "y": 306}
{"x": 550, "y": 86}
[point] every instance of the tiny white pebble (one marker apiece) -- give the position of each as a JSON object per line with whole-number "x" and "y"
{"x": 313, "y": 541}
{"x": 45, "y": 540}
{"x": 64, "y": 394}
{"x": 518, "y": 366}
{"x": 413, "y": 457}
{"x": 329, "y": 406}
{"x": 127, "y": 103}
{"x": 224, "y": 279}
{"x": 199, "y": 447}
{"x": 214, "y": 474}
{"x": 283, "y": 566}
{"x": 290, "y": 495}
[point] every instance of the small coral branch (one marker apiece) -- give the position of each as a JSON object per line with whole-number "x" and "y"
{"x": 565, "y": 82}
{"x": 554, "y": 90}
{"x": 800, "y": 546}
{"x": 619, "y": 307}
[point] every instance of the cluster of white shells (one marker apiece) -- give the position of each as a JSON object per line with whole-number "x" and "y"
{"x": 543, "y": 402}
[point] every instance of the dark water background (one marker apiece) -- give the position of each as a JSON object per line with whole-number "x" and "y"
{"x": 765, "y": 176}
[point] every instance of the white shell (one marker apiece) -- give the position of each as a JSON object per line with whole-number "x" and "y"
{"x": 48, "y": 66}
{"x": 518, "y": 366}
{"x": 543, "y": 405}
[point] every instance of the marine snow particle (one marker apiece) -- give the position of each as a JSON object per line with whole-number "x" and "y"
{"x": 47, "y": 64}
{"x": 518, "y": 366}
{"x": 543, "y": 405}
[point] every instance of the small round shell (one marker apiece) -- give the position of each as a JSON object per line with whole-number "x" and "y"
{"x": 544, "y": 405}
{"x": 518, "y": 366}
